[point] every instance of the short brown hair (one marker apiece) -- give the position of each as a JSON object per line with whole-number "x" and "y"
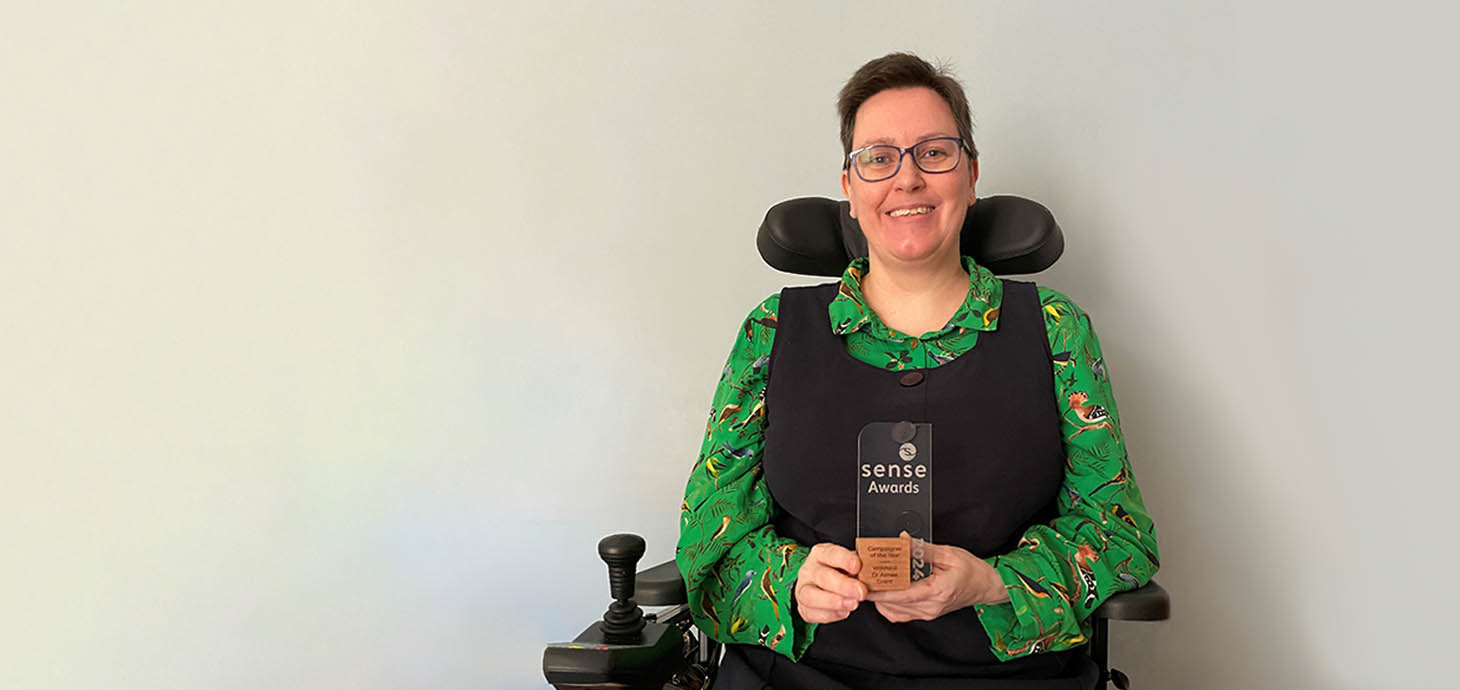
{"x": 899, "y": 71}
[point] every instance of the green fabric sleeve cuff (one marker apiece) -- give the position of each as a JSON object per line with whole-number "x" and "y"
{"x": 802, "y": 633}
{"x": 1036, "y": 619}
{"x": 1000, "y": 621}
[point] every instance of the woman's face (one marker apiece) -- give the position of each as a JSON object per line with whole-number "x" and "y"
{"x": 930, "y": 234}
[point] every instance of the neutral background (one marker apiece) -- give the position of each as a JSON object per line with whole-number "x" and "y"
{"x": 333, "y": 336}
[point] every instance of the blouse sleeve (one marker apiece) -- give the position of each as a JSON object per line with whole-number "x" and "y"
{"x": 737, "y": 571}
{"x": 1102, "y": 540}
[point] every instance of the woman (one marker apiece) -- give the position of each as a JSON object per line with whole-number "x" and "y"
{"x": 1038, "y": 517}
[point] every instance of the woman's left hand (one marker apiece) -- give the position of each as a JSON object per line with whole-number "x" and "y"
{"x": 959, "y": 579}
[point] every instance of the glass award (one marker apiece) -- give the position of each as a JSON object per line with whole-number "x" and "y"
{"x": 894, "y": 495}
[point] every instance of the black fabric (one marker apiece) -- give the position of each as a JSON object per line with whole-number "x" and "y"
{"x": 998, "y": 462}
{"x": 756, "y": 668}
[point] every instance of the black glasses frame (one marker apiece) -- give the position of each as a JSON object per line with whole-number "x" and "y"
{"x": 852, "y": 158}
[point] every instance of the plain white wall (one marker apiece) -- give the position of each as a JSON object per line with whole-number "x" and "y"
{"x": 336, "y": 334}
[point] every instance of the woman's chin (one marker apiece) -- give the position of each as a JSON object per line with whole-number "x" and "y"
{"x": 916, "y": 253}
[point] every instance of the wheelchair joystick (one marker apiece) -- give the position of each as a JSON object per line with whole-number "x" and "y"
{"x": 623, "y": 623}
{"x": 627, "y": 649}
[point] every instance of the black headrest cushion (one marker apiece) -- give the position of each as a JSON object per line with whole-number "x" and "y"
{"x": 818, "y": 236}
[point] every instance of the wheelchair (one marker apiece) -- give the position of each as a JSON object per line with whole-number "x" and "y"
{"x": 662, "y": 649}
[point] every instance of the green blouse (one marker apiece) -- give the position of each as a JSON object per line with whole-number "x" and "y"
{"x": 738, "y": 571}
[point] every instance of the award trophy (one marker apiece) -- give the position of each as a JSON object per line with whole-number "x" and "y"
{"x": 894, "y": 495}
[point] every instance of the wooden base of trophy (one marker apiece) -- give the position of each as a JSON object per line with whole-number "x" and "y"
{"x": 886, "y": 563}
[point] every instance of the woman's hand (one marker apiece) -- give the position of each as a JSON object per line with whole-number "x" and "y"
{"x": 827, "y": 589}
{"x": 959, "y": 579}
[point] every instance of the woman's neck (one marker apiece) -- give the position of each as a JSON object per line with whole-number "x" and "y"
{"x": 915, "y": 299}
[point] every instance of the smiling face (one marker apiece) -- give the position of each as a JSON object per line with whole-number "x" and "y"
{"x": 913, "y": 218}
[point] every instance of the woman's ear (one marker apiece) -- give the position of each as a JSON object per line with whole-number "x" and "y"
{"x": 972, "y": 181}
{"x": 847, "y": 192}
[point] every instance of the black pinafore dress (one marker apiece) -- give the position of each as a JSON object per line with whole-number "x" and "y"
{"x": 998, "y": 462}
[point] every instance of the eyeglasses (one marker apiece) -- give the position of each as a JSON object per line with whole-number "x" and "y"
{"x": 879, "y": 162}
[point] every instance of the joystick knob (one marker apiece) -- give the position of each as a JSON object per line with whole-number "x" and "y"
{"x": 624, "y": 620}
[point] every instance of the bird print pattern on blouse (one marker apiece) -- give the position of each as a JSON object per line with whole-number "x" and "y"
{"x": 739, "y": 572}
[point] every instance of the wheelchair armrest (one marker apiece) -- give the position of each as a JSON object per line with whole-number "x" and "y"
{"x": 1149, "y": 603}
{"x": 660, "y": 585}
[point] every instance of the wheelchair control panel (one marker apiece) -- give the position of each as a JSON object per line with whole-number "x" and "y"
{"x": 628, "y": 648}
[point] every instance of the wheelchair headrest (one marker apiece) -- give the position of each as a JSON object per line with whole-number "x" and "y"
{"x": 818, "y": 236}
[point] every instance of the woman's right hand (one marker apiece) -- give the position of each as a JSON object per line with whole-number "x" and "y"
{"x": 827, "y": 589}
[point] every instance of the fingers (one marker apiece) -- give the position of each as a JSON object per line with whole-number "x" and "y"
{"x": 917, "y": 591}
{"x": 892, "y": 612}
{"x": 822, "y": 615}
{"x": 820, "y": 606}
{"x": 895, "y": 613}
{"x": 936, "y": 554}
{"x": 825, "y": 591}
{"x": 837, "y": 556}
{"x": 816, "y": 597}
{"x": 944, "y": 556}
{"x": 828, "y": 566}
